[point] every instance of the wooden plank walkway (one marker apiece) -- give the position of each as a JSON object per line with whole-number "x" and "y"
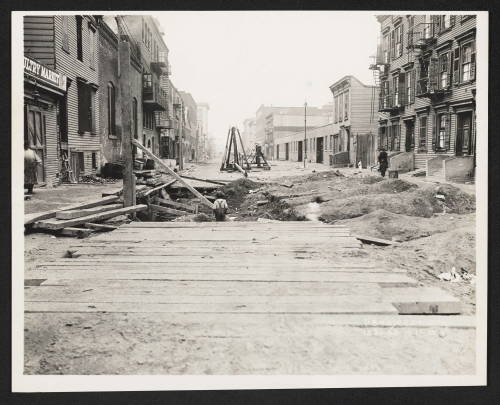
{"x": 217, "y": 276}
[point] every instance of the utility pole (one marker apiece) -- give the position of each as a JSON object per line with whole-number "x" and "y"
{"x": 125, "y": 96}
{"x": 305, "y": 133}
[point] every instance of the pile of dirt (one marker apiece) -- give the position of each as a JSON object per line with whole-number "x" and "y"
{"x": 398, "y": 227}
{"x": 422, "y": 202}
{"x": 237, "y": 190}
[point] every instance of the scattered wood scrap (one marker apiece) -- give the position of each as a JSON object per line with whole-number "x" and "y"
{"x": 78, "y": 232}
{"x": 218, "y": 182}
{"x": 161, "y": 187}
{"x": 38, "y": 216}
{"x": 165, "y": 210}
{"x": 70, "y": 214}
{"x": 55, "y": 224}
{"x": 176, "y": 204}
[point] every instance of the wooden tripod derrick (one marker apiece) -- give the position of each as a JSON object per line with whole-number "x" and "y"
{"x": 234, "y": 159}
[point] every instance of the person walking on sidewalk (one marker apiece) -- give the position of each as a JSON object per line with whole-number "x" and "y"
{"x": 31, "y": 161}
{"x": 220, "y": 207}
{"x": 382, "y": 161}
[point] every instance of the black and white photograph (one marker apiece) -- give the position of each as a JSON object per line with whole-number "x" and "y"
{"x": 249, "y": 199}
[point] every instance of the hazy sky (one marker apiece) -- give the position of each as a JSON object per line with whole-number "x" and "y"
{"x": 236, "y": 61}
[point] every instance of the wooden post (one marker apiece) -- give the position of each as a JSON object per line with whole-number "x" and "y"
{"x": 128, "y": 171}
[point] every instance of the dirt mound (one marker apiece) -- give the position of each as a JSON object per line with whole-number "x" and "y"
{"x": 392, "y": 186}
{"x": 398, "y": 227}
{"x": 417, "y": 203}
{"x": 238, "y": 189}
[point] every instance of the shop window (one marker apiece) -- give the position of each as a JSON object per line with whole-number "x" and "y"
{"x": 79, "y": 40}
{"x": 111, "y": 107}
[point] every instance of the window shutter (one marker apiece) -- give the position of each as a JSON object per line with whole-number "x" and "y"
{"x": 473, "y": 61}
{"x": 448, "y": 132}
{"x": 401, "y": 40}
{"x": 412, "y": 98}
{"x": 433, "y": 73}
{"x": 65, "y": 39}
{"x": 434, "y": 131}
{"x": 81, "y": 107}
{"x": 391, "y": 52}
{"x": 448, "y": 76}
{"x": 452, "y": 20}
{"x": 456, "y": 65}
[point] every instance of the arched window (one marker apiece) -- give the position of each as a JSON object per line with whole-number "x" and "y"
{"x": 149, "y": 143}
{"x": 134, "y": 118}
{"x": 111, "y": 109}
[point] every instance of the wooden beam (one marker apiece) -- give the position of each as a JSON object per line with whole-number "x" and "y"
{"x": 100, "y": 227}
{"x": 166, "y": 210}
{"x": 70, "y": 214}
{"x": 128, "y": 170}
{"x": 54, "y": 224}
{"x": 375, "y": 241}
{"x": 173, "y": 174}
{"x": 206, "y": 180}
{"x": 151, "y": 191}
{"x": 176, "y": 204}
{"x": 38, "y": 216}
{"x": 240, "y": 169}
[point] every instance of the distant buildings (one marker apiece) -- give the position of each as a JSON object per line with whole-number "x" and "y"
{"x": 202, "y": 117}
{"x": 73, "y": 103}
{"x": 248, "y": 134}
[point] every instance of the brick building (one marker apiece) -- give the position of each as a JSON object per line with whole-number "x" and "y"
{"x": 110, "y": 95}
{"x": 191, "y": 127}
{"x": 426, "y": 65}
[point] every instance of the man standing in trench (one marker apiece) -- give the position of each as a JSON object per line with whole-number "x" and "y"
{"x": 382, "y": 161}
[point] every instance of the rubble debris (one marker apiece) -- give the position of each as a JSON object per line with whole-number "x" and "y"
{"x": 78, "y": 232}
{"x": 288, "y": 185}
{"x": 262, "y": 202}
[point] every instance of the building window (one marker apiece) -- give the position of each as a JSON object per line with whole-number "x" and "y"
{"x": 65, "y": 38}
{"x": 468, "y": 60}
{"x": 111, "y": 109}
{"x": 94, "y": 160}
{"x": 411, "y": 27}
{"x": 86, "y": 120}
{"x": 134, "y": 118}
{"x": 427, "y": 32}
{"x": 92, "y": 46}
{"x": 395, "y": 89}
{"x": 444, "y": 70}
{"x": 422, "y": 133}
{"x": 148, "y": 81}
{"x": 79, "y": 40}
{"x": 386, "y": 48}
{"x": 148, "y": 120}
{"x": 398, "y": 39}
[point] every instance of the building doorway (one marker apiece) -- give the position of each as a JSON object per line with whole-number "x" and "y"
{"x": 77, "y": 164}
{"x": 35, "y": 136}
{"x": 464, "y": 134}
{"x": 287, "y": 151}
{"x": 299, "y": 152}
{"x": 410, "y": 136}
{"x": 277, "y": 152}
{"x": 319, "y": 149}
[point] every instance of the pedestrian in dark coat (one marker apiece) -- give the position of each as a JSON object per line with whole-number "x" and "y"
{"x": 382, "y": 161}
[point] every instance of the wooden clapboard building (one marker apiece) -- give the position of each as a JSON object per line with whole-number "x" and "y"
{"x": 426, "y": 70}
{"x": 67, "y": 45}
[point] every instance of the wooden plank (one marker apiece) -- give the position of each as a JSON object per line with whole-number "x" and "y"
{"x": 55, "y": 224}
{"x": 71, "y": 214}
{"x": 268, "y": 308}
{"x": 176, "y": 204}
{"x": 205, "y": 180}
{"x": 173, "y": 174}
{"x": 161, "y": 187}
{"x": 78, "y": 232}
{"x": 375, "y": 241}
{"x": 100, "y": 227}
{"x": 171, "y": 211}
{"x": 276, "y": 276}
{"x": 240, "y": 224}
{"x": 38, "y": 216}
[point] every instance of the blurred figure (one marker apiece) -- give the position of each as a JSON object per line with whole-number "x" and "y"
{"x": 31, "y": 161}
{"x": 382, "y": 161}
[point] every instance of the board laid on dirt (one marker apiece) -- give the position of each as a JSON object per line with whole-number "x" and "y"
{"x": 281, "y": 277}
